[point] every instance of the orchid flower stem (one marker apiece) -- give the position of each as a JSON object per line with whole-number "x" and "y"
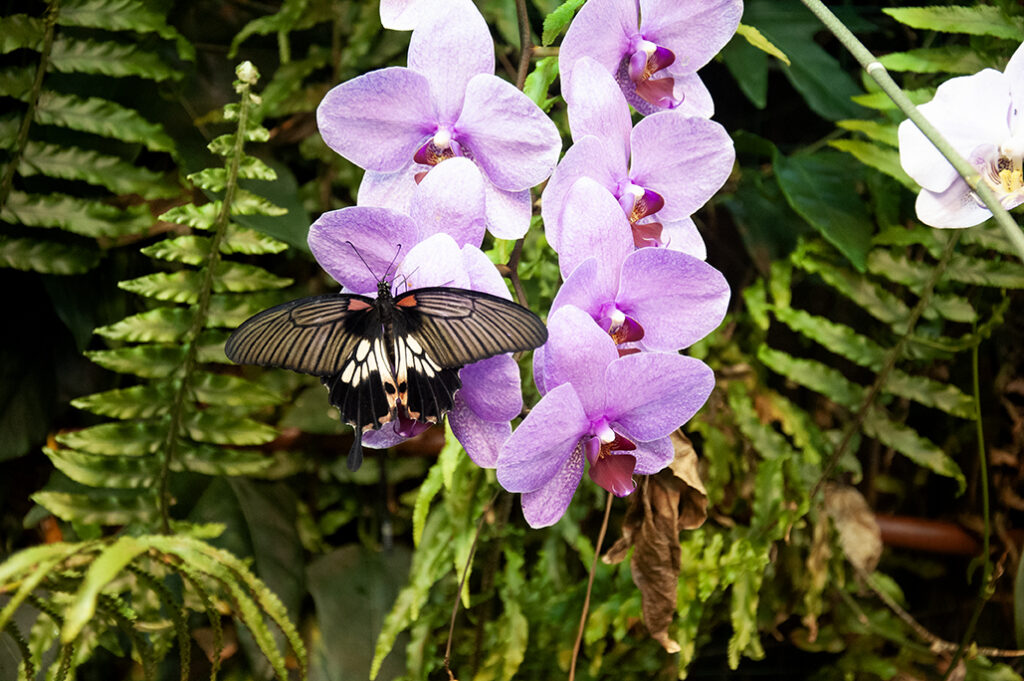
{"x": 878, "y": 72}
{"x": 590, "y": 586}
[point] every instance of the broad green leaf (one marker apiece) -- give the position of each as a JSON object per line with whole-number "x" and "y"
{"x": 931, "y": 393}
{"x": 22, "y": 31}
{"x": 189, "y": 249}
{"x": 429, "y": 488}
{"x": 160, "y": 325}
{"x": 251, "y": 168}
{"x": 196, "y": 217}
{"x": 248, "y": 203}
{"x": 101, "y": 507}
{"x": 97, "y": 470}
{"x": 70, "y": 163}
{"x": 241, "y": 278}
{"x": 223, "y": 390}
{"x": 110, "y": 59}
{"x": 15, "y": 82}
{"x": 81, "y": 216}
{"x": 920, "y": 450}
{"x": 749, "y": 66}
{"x": 756, "y": 39}
{"x": 822, "y": 188}
{"x": 146, "y": 361}
{"x": 872, "y": 129}
{"x": 814, "y": 375}
{"x": 137, "y": 402}
{"x": 177, "y": 287}
{"x": 978, "y": 20}
{"x": 123, "y": 15}
{"x": 48, "y": 257}
{"x": 946, "y": 59}
{"x": 136, "y": 438}
{"x": 212, "y": 460}
{"x": 219, "y": 428}
{"x": 100, "y": 117}
{"x": 104, "y": 569}
{"x": 210, "y": 179}
{"x": 880, "y": 158}
{"x": 537, "y": 84}
{"x": 881, "y": 101}
{"x": 248, "y": 241}
{"x": 558, "y": 20}
{"x": 837, "y": 338}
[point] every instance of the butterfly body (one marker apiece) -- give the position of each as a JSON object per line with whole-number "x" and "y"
{"x": 390, "y": 359}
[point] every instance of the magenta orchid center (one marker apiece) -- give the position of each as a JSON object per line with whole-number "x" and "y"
{"x": 622, "y": 328}
{"x": 645, "y": 60}
{"x": 638, "y": 203}
{"x": 610, "y": 466}
{"x": 441, "y": 147}
{"x": 1002, "y": 168}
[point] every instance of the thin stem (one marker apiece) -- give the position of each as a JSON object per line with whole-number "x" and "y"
{"x": 203, "y": 304}
{"x": 7, "y": 183}
{"x": 525, "y": 44}
{"x": 895, "y": 352}
{"x": 590, "y": 585}
{"x": 986, "y": 570}
{"x": 889, "y": 86}
{"x": 462, "y": 584}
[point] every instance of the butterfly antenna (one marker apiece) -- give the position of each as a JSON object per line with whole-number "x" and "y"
{"x": 397, "y": 251}
{"x": 372, "y": 273}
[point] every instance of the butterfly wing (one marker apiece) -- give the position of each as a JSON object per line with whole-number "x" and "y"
{"x": 439, "y": 330}
{"x": 338, "y": 337}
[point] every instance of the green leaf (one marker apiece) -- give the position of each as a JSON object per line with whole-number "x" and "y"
{"x": 814, "y": 375}
{"x": 985, "y": 272}
{"x": 25, "y": 588}
{"x": 196, "y": 217}
{"x": 160, "y": 325}
{"x": 756, "y": 39}
{"x": 749, "y": 66}
{"x": 189, "y": 249}
{"x": 97, "y": 470}
{"x": 232, "y": 391}
{"x": 558, "y": 20}
{"x": 946, "y": 59}
{"x": 100, "y": 117}
{"x": 103, "y": 570}
{"x": 248, "y": 203}
{"x": 137, "y": 402}
{"x": 537, "y": 84}
{"x": 240, "y": 278}
{"x": 877, "y": 131}
{"x": 15, "y": 82}
{"x": 221, "y": 428}
{"x": 146, "y": 361}
{"x": 821, "y": 188}
{"x": 210, "y": 179}
{"x": 81, "y": 216}
{"x": 70, "y": 163}
{"x": 920, "y": 450}
{"x": 109, "y": 58}
{"x": 880, "y": 158}
{"x": 882, "y": 102}
{"x": 48, "y": 257}
{"x": 914, "y": 275}
{"x": 931, "y": 393}
{"x": 429, "y": 488}
{"x": 978, "y": 20}
{"x": 211, "y": 460}
{"x": 178, "y": 287}
{"x": 248, "y": 241}
{"x": 134, "y": 438}
{"x": 101, "y": 507}
{"x": 837, "y": 338}
{"x": 23, "y": 562}
{"x": 123, "y": 15}
{"x": 22, "y": 32}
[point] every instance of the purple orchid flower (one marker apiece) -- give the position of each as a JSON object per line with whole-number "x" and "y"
{"x": 664, "y": 299}
{"x": 660, "y": 171}
{"x": 491, "y": 393}
{"x": 404, "y": 15}
{"x": 614, "y": 412}
{"x": 980, "y": 115}
{"x": 400, "y": 123}
{"x": 653, "y": 48}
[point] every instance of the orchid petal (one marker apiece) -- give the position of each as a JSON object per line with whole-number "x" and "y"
{"x": 577, "y": 352}
{"x": 677, "y": 298}
{"x": 450, "y": 47}
{"x": 545, "y": 506}
{"x": 384, "y": 438}
{"x": 655, "y": 393}
{"x": 451, "y": 199}
{"x": 956, "y": 207}
{"x": 682, "y": 236}
{"x": 586, "y": 289}
{"x": 685, "y": 159}
{"x": 588, "y": 157}
{"x": 379, "y": 119}
{"x": 492, "y": 389}
{"x": 653, "y": 456}
{"x": 615, "y": 473}
{"x": 508, "y": 212}
{"x": 435, "y": 261}
{"x": 597, "y": 107}
{"x": 694, "y": 31}
{"x": 593, "y": 226}
{"x": 543, "y": 442}
{"x": 483, "y": 275}
{"x": 512, "y": 140}
{"x": 1014, "y": 75}
{"x": 373, "y": 233}
{"x": 481, "y": 439}
{"x": 390, "y": 190}
{"x": 602, "y": 29}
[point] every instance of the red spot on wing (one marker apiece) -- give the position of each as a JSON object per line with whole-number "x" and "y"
{"x": 355, "y": 304}
{"x": 406, "y": 301}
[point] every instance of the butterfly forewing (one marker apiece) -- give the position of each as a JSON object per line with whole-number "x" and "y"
{"x": 458, "y": 326}
{"x": 314, "y": 335}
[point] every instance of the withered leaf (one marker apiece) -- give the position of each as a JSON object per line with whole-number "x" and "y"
{"x": 859, "y": 534}
{"x": 652, "y": 526}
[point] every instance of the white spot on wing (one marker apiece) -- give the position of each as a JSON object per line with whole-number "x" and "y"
{"x": 362, "y": 350}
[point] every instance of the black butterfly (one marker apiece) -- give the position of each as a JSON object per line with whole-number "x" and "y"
{"x": 386, "y": 358}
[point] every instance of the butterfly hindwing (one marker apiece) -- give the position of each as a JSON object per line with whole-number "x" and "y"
{"x": 425, "y": 388}
{"x": 458, "y": 326}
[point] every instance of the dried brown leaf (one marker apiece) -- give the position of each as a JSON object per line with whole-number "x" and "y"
{"x": 859, "y": 534}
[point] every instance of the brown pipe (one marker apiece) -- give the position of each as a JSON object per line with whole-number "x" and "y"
{"x": 935, "y": 536}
